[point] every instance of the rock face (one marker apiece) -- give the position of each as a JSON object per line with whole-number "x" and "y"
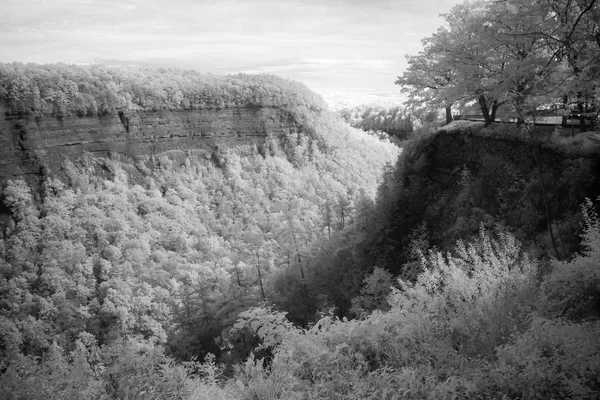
{"x": 454, "y": 182}
{"x": 34, "y": 146}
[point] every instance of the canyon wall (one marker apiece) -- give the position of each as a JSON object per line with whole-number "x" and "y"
{"x": 32, "y": 147}
{"x": 451, "y": 183}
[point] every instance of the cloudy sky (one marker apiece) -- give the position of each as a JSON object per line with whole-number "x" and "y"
{"x": 327, "y": 44}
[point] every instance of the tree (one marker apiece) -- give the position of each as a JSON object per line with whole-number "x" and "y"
{"x": 377, "y": 286}
{"x": 521, "y": 53}
{"x": 344, "y": 209}
{"x": 328, "y": 216}
{"x": 429, "y": 78}
{"x": 573, "y": 34}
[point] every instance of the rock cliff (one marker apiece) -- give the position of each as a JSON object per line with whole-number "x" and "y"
{"x": 449, "y": 184}
{"x": 35, "y": 146}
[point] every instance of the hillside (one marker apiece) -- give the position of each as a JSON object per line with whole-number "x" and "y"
{"x": 394, "y": 121}
{"x": 466, "y": 297}
{"x": 347, "y": 99}
{"x": 153, "y": 225}
{"x": 57, "y": 111}
{"x": 446, "y": 186}
{"x": 291, "y": 255}
{"x": 463, "y": 176}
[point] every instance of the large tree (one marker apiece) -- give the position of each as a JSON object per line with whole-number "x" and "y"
{"x": 429, "y": 78}
{"x": 521, "y": 53}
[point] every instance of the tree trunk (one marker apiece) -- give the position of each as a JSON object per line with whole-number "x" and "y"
{"x": 262, "y": 289}
{"x": 484, "y": 110}
{"x": 449, "y": 114}
{"x": 304, "y": 286}
{"x": 495, "y": 107}
{"x": 565, "y": 101}
{"x": 581, "y": 110}
{"x": 537, "y": 159}
{"x": 519, "y": 106}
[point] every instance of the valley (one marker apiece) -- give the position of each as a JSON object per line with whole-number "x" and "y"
{"x": 173, "y": 234}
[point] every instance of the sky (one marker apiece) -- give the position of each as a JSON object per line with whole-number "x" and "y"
{"x": 327, "y": 44}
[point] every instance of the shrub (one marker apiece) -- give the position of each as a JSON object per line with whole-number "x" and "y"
{"x": 377, "y": 286}
{"x": 467, "y": 328}
{"x": 572, "y": 289}
{"x": 139, "y": 370}
{"x": 551, "y": 360}
{"x": 54, "y": 377}
{"x": 480, "y": 296}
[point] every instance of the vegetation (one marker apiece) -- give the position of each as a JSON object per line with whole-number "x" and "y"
{"x": 515, "y": 57}
{"x": 324, "y": 265}
{"x": 467, "y": 328}
{"x": 120, "y": 268}
{"x": 61, "y": 89}
{"x": 393, "y": 121}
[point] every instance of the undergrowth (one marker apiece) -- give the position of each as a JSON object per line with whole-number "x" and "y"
{"x": 478, "y": 323}
{"x": 475, "y": 324}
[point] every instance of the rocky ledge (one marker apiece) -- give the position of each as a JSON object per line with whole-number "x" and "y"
{"x": 33, "y": 146}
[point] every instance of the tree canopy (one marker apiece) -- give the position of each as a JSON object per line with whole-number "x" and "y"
{"x": 62, "y": 89}
{"x": 522, "y": 55}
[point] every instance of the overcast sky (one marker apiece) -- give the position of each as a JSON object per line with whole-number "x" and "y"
{"x": 327, "y": 44}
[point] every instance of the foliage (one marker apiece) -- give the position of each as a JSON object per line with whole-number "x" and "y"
{"x": 552, "y": 359}
{"x": 467, "y": 328}
{"x": 484, "y": 291}
{"x": 135, "y": 369}
{"x": 54, "y": 376}
{"x": 269, "y": 325}
{"x": 107, "y": 276}
{"x": 61, "y": 89}
{"x": 487, "y": 54}
{"x": 127, "y": 369}
{"x": 169, "y": 250}
{"x": 373, "y": 295}
{"x": 572, "y": 289}
{"x": 394, "y": 121}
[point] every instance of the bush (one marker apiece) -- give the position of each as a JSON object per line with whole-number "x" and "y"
{"x": 480, "y": 296}
{"x": 54, "y": 377}
{"x": 552, "y": 360}
{"x": 467, "y": 328}
{"x": 572, "y": 289}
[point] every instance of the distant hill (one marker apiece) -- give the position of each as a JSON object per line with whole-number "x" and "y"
{"x": 339, "y": 99}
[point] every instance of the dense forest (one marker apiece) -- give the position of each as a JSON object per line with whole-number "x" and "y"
{"x": 465, "y": 265}
{"x": 112, "y": 254}
{"x": 67, "y": 90}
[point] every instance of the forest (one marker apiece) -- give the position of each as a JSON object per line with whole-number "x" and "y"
{"x": 110, "y": 254}
{"x": 67, "y": 90}
{"x": 393, "y": 121}
{"x": 464, "y": 265}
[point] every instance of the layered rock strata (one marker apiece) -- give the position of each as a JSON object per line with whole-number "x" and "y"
{"x": 33, "y": 146}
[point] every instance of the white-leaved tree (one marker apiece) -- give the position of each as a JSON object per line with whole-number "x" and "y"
{"x": 521, "y": 55}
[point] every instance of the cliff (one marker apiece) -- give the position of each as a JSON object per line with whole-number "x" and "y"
{"x": 30, "y": 147}
{"x": 450, "y": 183}
{"x": 54, "y": 111}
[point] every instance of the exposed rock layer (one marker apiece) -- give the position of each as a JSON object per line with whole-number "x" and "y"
{"x": 30, "y": 147}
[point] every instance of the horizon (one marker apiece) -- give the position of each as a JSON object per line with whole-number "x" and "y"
{"x": 342, "y": 45}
